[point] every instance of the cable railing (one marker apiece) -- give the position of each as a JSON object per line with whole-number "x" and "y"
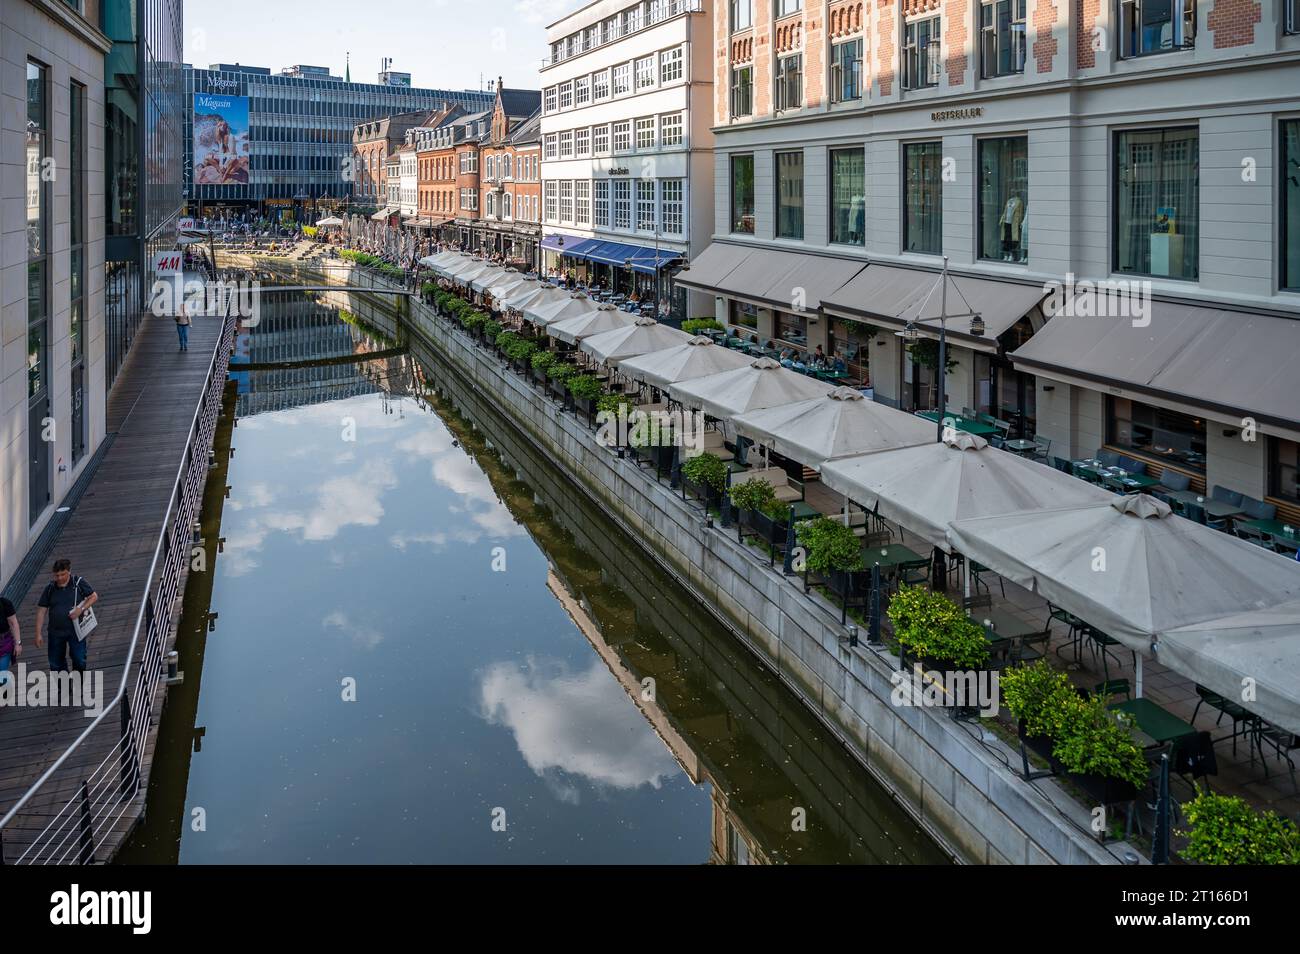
{"x": 77, "y": 830}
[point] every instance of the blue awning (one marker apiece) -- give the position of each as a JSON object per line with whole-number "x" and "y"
{"x": 644, "y": 258}
{"x": 570, "y": 246}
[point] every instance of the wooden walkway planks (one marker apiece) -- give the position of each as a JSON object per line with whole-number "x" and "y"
{"x": 110, "y": 539}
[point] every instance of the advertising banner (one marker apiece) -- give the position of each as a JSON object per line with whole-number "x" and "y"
{"x": 221, "y": 145}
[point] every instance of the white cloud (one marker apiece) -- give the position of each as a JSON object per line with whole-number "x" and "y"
{"x": 366, "y": 637}
{"x": 542, "y": 11}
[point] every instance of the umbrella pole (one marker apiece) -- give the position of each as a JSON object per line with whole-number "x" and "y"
{"x": 1137, "y": 676}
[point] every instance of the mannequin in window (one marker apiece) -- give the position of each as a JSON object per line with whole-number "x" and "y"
{"x": 1013, "y": 215}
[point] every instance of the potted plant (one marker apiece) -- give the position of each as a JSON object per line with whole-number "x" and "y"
{"x": 491, "y": 329}
{"x": 520, "y": 351}
{"x": 540, "y": 363}
{"x": 749, "y": 497}
{"x": 647, "y": 436}
{"x": 831, "y": 550}
{"x": 705, "y": 475}
{"x": 557, "y": 376}
{"x": 695, "y": 326}
{"x": 933, "y": 629}
{"x": 1224, "y": 830}
{"x": 586, "y": 389}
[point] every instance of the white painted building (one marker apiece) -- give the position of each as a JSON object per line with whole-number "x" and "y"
{"x": 409, "y": 184}
{"x": 627, "y": 164}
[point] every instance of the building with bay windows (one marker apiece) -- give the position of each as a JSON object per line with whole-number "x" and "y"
{"x": 1115, "y": 185}
{"x": 627, "y": 164}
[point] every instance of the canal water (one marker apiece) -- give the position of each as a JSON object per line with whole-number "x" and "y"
{"x": 413, "y": 641}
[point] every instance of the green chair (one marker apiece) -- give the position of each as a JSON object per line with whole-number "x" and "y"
{"x": 1031, "y": 648}
{"x": 977, "y": 571}
{"x": 914, "y": 573}
{"x": 1113, "y": 687}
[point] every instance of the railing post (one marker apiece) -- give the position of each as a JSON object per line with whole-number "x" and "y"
{"x": 129, "y": 761}
{"x": 87, "y": 851}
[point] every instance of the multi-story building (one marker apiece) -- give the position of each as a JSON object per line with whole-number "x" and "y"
{"x": 375, "y": 140}
{"x": 52, "y": 348}
{"x": 474, "y": 128}
{"x": 1151, "y": 147}
{"x": 408, "y": 189}
{"x": 627, "y": 164}
{"x": 392, "y": 211}
{"x": 510, "y": 166}
{"x": 300, "y": 136}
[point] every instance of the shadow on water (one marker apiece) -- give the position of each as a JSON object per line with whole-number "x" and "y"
{"x": 775, "y": 785}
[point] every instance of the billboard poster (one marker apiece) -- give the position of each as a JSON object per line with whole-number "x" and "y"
{"x": 220, "y": 139}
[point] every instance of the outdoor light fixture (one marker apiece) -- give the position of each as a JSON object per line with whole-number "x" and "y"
{"x": 977, "y": 325}
{"x": 910, "y": 334}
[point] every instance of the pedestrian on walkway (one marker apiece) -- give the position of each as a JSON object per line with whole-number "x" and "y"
{"x": 64, "y": 600}
{"x": 183, "y": 325}
{"x": 11, "y": 639}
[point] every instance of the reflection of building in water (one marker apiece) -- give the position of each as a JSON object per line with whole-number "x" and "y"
{"x": 731, "y": 841}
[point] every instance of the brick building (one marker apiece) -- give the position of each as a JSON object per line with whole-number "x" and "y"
{"x": 510, "y": 172}
{"x": 373, "y": 142}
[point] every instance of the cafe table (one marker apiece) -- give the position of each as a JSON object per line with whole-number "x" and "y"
{"x": 1019, "y": 446}
{"x": 1275, "y": 529}
{"x": 978, "y": 428}
{"x": 1218, "y": 509}
{"x": 1156, "y": 721}
{"x": 888, "y": 556}
{"x": 832, "y": 375}
{"x": 1130, "y": 481}
{"x": 802, "y": 510}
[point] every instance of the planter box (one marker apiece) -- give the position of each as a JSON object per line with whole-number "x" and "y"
{"x": 520, "y": 365}
{"x": 772, "y": 531}
{"x": 537, "y": 375}
{"x": 585, "y": 407}
{"x": 710, "y": 495}
{"x": 1104, "y": 790}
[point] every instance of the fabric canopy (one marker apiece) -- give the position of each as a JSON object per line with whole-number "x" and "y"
{"x": 1129, "y": 566}
{"x": 533, "y": 292}
{"x": 329, "y": 222}
{"x": 559, "y": 307}
{"x": 503, "y": 286}
{"x": 592, "y": 322}
{"x": 463, "y": 275}
{"x": 382, "y": 214}
{"x": 1262, "y": 646}
{"x": 927, "y": 487}
{"x": 486, "y": 277}
{"x": 785, "y": 279}
{"x": 841, "y": 424}
{"x": 696, "y": 358}
{"x": 761, "y": 383}
{"x": 644, "y": 336}
{"x": 445, "y": 263}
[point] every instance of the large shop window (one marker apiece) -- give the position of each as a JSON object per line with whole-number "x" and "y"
{"x": 848, "y": 196}
{"x": 744, "y": 315}
{"x": 1002, "y": 37}
{"x": 1165, "y": 435}
{"x": 923, "y": 197}
{"x": 1284, "y": 469}
{"x": 1003, "y": 199}
{"x": 1157, "y": 204}
{"x": 851, "y": 341}
{"x": 1156, "y": 26}
{"x": 789, "y": 195}
{"x": 1290, "y": 190}
{"x": 742, "y": 194}
{"x": 792, "y": 328}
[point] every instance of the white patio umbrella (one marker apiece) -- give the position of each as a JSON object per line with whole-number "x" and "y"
{"x": 928, "y": 486}
{"x": 643, "y": 336}
{"x": 463, "y": 275}
{"x": 530, "y": 291}
{"x": 503, "y": 286}
{"x": 567, "y": 305}
{"x": 442, "y": 258}
{"x": 483, "y": 279}
{"x": 841, "y": 424}
{"x": 696, "y": 358}
{"x": 1129, "y": 566}
{"x": 1262, "y": 646}
{"x": 330, "y": 222}
{"x": 761, "y": 383}
{"x": 577, "y": 327}
{"x": 451, "y": 265}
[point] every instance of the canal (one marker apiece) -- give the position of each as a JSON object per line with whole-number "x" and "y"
{"x": 411, "y": 641}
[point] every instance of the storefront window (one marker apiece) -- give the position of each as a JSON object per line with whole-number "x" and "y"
{"x": 1166, "y": 435}
{"x": 923, "y": 197}
{"x": 792, "y": 328}
{"x": 742, "y": 194}
{"x": 848, "y": 197}
{"x": 851, "y": 341}
{"x": 1004, "y": 194}
{"x": 1157, "y": 210}
{"x": 789, "y": 195}
{"x": 744, "y": 315}
{"x": 1284, "y": 469}
{"x": 1289, "y": 168}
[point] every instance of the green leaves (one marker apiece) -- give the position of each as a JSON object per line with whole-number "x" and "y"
{"x": 1226, "y": 831}
{"x": 751, "y": 494}
{"x": 706, "y": 469}
{"x": 585, "y": 386}
{"x": 931, "y": 625}
{"x": 829, "y": 545}
{"x": 694, "y": 326}
{"x": 610, "y": 403}
{"x": 542, "y": 361}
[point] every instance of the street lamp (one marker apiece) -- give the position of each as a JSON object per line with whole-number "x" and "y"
{"x": 911, "y": 334}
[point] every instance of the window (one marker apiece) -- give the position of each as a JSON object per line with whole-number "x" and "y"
{"x": 582, "y": 90}
{"x": 549, "y": 145}
{"x": 670, "y": 130}
{"x": 1292, "y": 16}
{"x": 548, "y": 191}
{"x": 505, "y": 163}
{"x": 566, "y": 95}
{"x": 550, "y": 98}
{"x": 786, "y": 7}
{"x": 491, "y": 205}
{"x": 670, "y": 65}
{"x": 742, "y": 14}
{"x": 789, "y": 195}
{"x": 1290, "y": 213}
{"x": 599, "y": 140}
{"x": 789, "y": 82}
{"x": 600, "y": 204}
{"x": 622, "y": 189}
{"x": 645, "y": 72}
{"x": 38, "y": 293}
{"x": 742, "y": 194}
{"x": 622, "y": 78}
{"x": 1170, "y": 436}
{"x": 1284, "y": 469}
{"x": 623, "y": 136}
{"x": 645, "y": 133}
{"x": 645, "y": 205}
{"x": 1156, "y": 26}
{"x": 1157, "y": 212}
{"x": 1002, "y": 37}
{"x": 848, "y": 196}
{"x": 671, "y": 206}
{"x": 491, "y": 167}
{"x": 922, "y": 58}
{"x": 923, "y": 197}
{"x": 600, "y": 85}
{"x": 846, "y": 71}
{"x": 566, "y": 144}
{"x": 566, "y": 200}
{"x": 742, "y": 90}
{"x": 582, "y": 202}
{"x": 1004, "y": 199}
{"x": 582, "y": 142}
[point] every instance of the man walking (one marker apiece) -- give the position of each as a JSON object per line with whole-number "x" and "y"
{"x": 64, "y": 599}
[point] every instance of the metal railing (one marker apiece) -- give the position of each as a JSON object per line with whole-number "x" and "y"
{"x": 76, "y": 830}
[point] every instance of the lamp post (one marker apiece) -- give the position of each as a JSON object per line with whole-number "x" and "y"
{"x": 911, "y": 334}
{"x": 631, "y": 277}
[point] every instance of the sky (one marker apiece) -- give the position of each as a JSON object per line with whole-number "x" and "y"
{"x": 443, "y": 44}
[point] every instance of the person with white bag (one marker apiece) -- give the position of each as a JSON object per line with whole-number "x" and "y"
{"x": 68, "y": 602}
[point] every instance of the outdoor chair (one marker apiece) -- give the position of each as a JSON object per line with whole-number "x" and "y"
{"x": 1282, "y": 742}
{"x": 1196, "y": 512}
{"x": 1090, "y": 476}
{"x": 968, "y": 413}
{"x": 1074, "y": 625}
{"x": 1099, "y": 642}
{"x": 1003, "y": 434}
{"x": 1243, "y": 722}
{"x": 1113, "y": 687}
{"x": 1194, "y": 760}
{"x": 1258, "y": 537}
{"x": 1109, "y": 458}
{"x": 1257, "y": 509}
{"x": 977, "y": 601}
{"x": 1174, "y": 480}
{"x": 1042, "y": 447}
{"x": 1133, "y": 465}
{"x": 914, "y": 573}
{"x": 977, "y": 570}
{"x": 1031, "y": 648}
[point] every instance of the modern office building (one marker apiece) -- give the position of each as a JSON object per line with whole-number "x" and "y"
{"x": 627, "y": 162}
{"x": 1150, "y": 147}
{"x": 143, "y": 119}
{"x": 52, "y": 341}
{"x": 276, "y": 143}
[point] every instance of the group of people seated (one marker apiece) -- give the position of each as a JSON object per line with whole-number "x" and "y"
{"x": 818, "y": 361}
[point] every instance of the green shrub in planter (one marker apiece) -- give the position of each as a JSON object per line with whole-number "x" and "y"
{"x": 559, "y": 371}
{"x": 1039, "y": 696}
{"x": 542, "y": 361}
{"x": 505, "y": 339}
{"x": 585, "y": 387}
{"x": 751, "y": 494}
{"x": 491, "y": 329}
{"x": 829, "y": 546}
{"x": 519, "y": 349}
{"x": 930, "y": 625}
{"x": 1097, "y": 741}
{"x": 695, "y": 326}
{"x": 1226, "y": 831}
{"x": 473, "y": 319}
{"x": 610, "y": 403}
{"x": 707, "y": 470}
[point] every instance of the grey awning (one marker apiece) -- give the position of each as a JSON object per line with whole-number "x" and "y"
{"x": 1232, "y": 364}
{"x": 790, "y": 281}
{"x": 893, "y": 295}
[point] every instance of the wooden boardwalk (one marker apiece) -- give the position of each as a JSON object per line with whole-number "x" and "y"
{"x": 110, "y": 538}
